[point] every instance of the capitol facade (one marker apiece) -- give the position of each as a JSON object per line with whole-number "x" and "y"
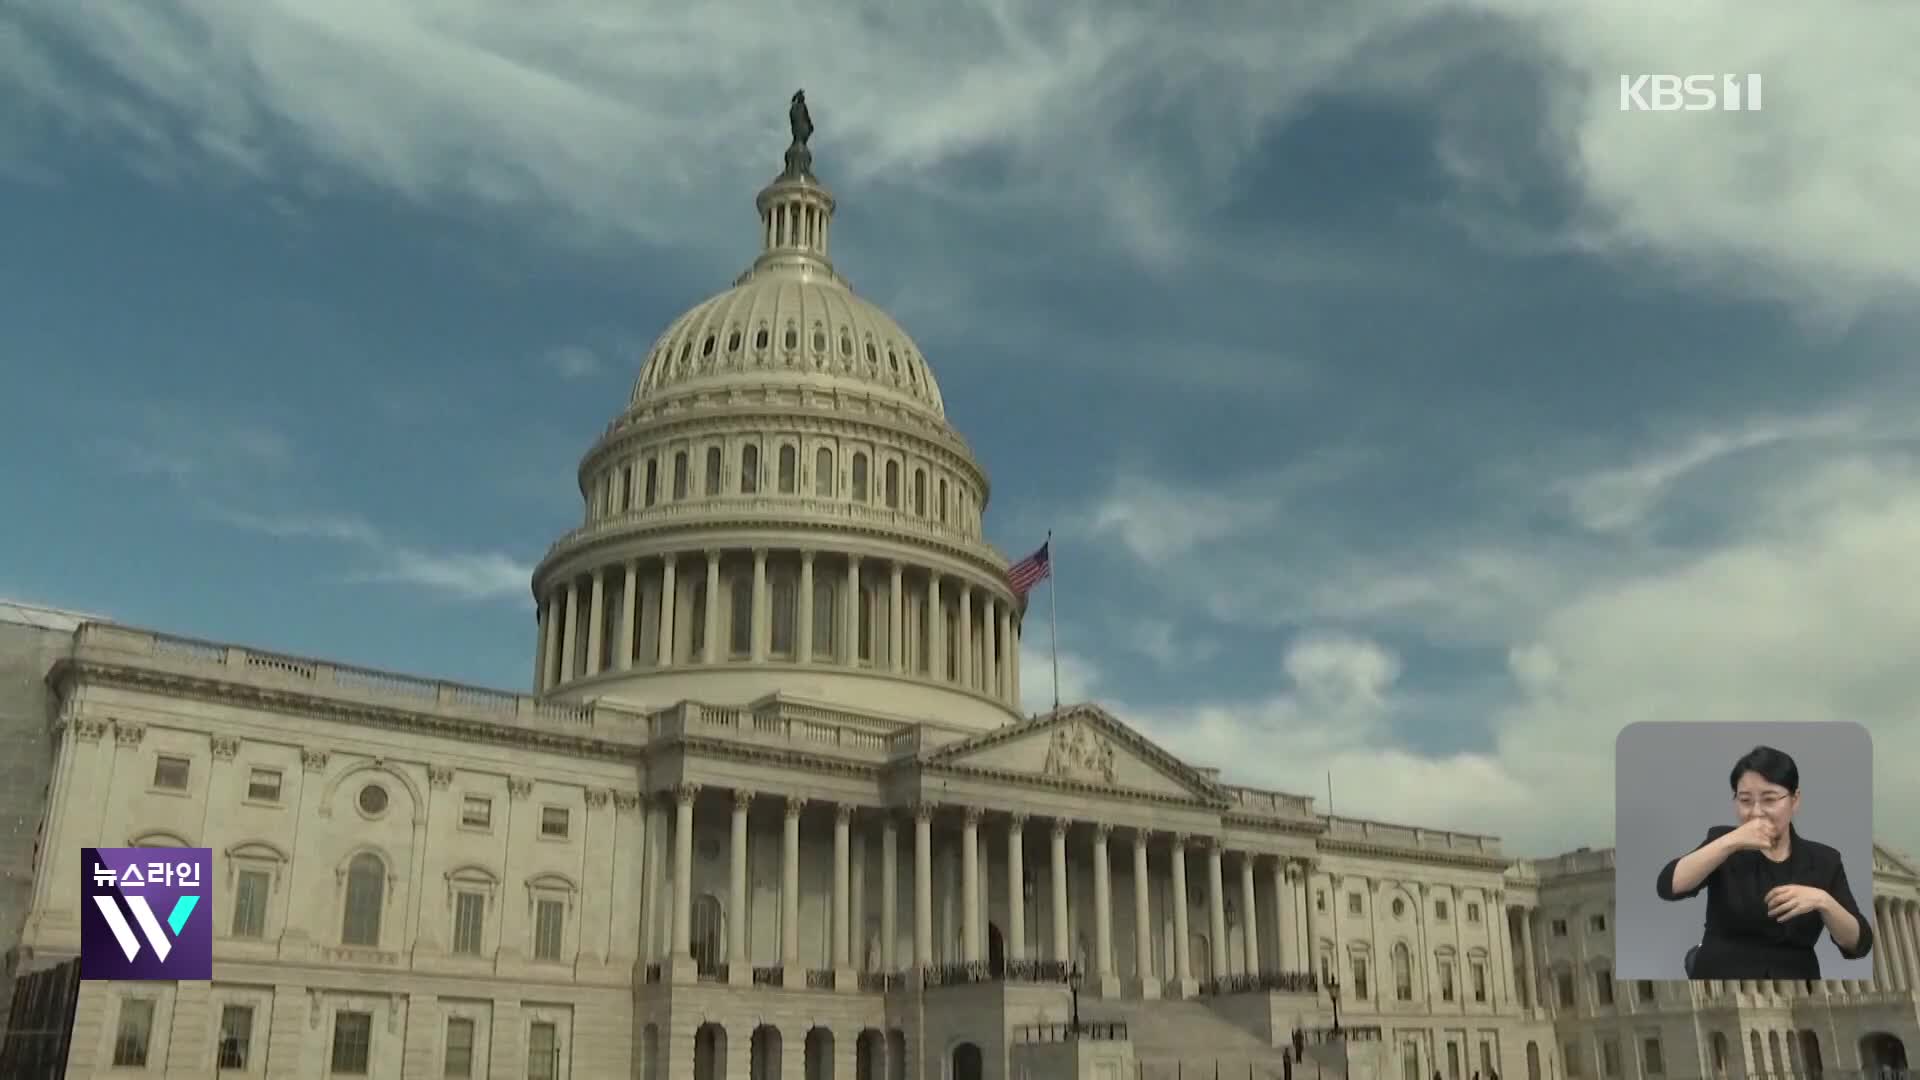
{"x": 771, "y": 809}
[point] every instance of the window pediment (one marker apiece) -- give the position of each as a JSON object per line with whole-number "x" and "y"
{"x": 157, "y": 839}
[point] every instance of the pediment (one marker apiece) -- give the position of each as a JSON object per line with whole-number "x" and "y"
{"x": 1888, "y": 861}
{"x": 1082, "y": 745}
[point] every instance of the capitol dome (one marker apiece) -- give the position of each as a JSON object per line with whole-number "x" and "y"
{"x": 782, "y": 508}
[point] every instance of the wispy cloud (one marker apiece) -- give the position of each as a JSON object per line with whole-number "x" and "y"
{"x": 600, "y": 117}
{"x": 573, "y": 361}
{"x": 216, "y": 466}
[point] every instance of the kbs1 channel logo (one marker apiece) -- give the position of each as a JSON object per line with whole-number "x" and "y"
{"x": 147, "y": 913}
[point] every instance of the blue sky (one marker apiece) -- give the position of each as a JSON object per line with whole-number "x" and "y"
{"x": 1401, "y": 407}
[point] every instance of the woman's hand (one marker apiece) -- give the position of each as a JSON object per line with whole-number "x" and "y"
{"x": 1792, "y": 901}
{"x": 1756, "y": 835}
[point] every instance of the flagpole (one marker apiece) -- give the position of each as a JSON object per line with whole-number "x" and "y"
{"x": 1053, "y": 621}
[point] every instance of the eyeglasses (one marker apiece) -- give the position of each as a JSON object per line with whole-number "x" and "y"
{"x": 1764, "y": 802}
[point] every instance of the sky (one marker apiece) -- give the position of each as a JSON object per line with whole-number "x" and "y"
{"x": 1404, "y": 411}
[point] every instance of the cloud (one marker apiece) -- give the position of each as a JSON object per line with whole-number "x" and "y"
{"x": 1792, "y": 608}
{"x": 1168, "y": 644}
{"x": 217, "y": 468}
{"x": 573, "y": 361}
{"x": 1135, "y": 125}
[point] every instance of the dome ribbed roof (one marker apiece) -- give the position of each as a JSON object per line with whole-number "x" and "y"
{"x": 790, "y": 318}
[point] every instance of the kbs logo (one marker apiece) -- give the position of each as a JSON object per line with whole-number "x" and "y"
{"x": 142, "y": 883}
{"x": 1689, "y": 93}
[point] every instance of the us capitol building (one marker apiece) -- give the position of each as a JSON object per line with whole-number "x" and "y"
{"x": 772, "y": 809}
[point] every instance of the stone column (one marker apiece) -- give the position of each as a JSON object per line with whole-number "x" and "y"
{"x": 1145, "y": 984}
{"x": 596, "y": 621}
{"x": 1217, "y": 908}
{"x": 1062, "y": 951}
{"x": 761, "y": 616}
{"x": 1881, "y": 981}
{"x": 1016, "y": 887}
{"x": 1285, "y": 913}
{"x": 569, "y": 631}
{"x": 842, "y": 819}
{"x": 629, "y": 597}
{"x": 710, "y": 618}
{"x": 1533, "y": 970}
{"x": 936, "y": 630}
{"x": 543, "y": 652}
{"x": 667, "y": 590}
{"x": 1008, "y": 688}
{"x": 803, "y": 633}
{"x": 682, "y": 962}
{"x": 1249, "y": 914}
{"x": 923, "y": 885}
{"x": 990, "y": 667}
{"x": 889, "y": 895}
{"x": 963, "y": 653}
{"x": 896, "y": 614}
{"x": 738, "y": 973}
{"x": 970, "y": 885}
{"x": 1310, "y": 948}
{"x": 852, "y": 658}
{"x": 1103, "y": 968}
{"x": 1500, "y": 993}
{"x": 1909, "y": 948}
{"x": 791, "y": 976}
{"x": 1182, "y": 934}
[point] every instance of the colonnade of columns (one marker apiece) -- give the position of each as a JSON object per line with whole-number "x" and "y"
{"x": 794, "y": 606}
{"x": 1288, "y": 876}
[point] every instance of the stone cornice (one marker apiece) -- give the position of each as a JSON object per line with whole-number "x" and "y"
{"x": 70, "y": 672}
{"x": 785, "y": 757}
{"x": 1426, "y": 856}
{"x": 1282, "y": 826}
{"x": 1203, "y": 792}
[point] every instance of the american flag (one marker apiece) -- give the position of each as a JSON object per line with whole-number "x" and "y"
{"x": 1030, "y": 571}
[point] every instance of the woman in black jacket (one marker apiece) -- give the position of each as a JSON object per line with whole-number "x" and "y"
{"x": 1770, "y": 891}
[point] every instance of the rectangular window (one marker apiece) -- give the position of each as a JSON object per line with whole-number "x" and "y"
{"x": 250, "y": 893}
{"x": 1559, "y": 928}
{"x": 786, "y": 595}
{"x": 263, "y": 785}
{"x": 1646, "y": 989}
{"x": 171, "y": 772}
{"x": 1320, "y": 899}
{"x": 1574, "y": 1070}
{"x": 1566, "y": 990}
{"x": 1353, "y": 903}
{"x": 1597, "y": 923}
{"x": 869, "y": 597}
{"x": 823, "y": 620}
{"x": 1359, "y": 978}
{"x": 549, "y": 919}
{"x": 653, "y": 480}
{"x": 1453, "y": 1060}
{"x": 1486, "y": 1058}
{"x": 1473, "y": 913}
{"x": 469, "y": 917}
{"x": 1603, "y": 986}
{"x": 476, "y": 812}
{"x": 543, "y": 1051}
{"x": 553, "y": 822}
{"x": 1650, "y": 1055}
{"x": 1479, "y": 971}
{"x": 236, "y": 1036}
{"x": 459, "y": 1047}
{"x": 352, "y": 1043}
{"x": 1446, "y": 980}
{"x": 1610, "y": 1056}
{"x": 740, "y": 637}
{"x": 626, "y": 487}
{"x": 133, "y": 1032}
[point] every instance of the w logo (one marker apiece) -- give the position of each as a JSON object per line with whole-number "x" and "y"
{"x": 146, "y": 914}
{"x": 150, "y": 926}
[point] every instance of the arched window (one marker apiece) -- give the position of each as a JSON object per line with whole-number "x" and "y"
{"x": 707, "y": 929}
{"x": 680, "y": 475}
{"x": 893, "y": 485}
{"x": 789, "y": 470}
{"x": 943, "y": 500}
{"x": 1402, "y": 972}
{"x": 786, "y": 592}
{"x": 920, "y": 492}
{"x": 749, "y": 469}
{"x": 366, "y": 893}
{"x": 859, "y": 478}
{"x": 712, "y": 480}
{"x": 740, "y": 633}
{"x": 653, "y": 480}
{"x": 823, "y": 473}
{"x": 823, "y": 620}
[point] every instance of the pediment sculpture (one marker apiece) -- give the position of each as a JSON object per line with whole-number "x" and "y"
{"x": 1079, "y": 753}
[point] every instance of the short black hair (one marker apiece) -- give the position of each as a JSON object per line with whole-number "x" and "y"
{"x": 1774, "y": 766}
